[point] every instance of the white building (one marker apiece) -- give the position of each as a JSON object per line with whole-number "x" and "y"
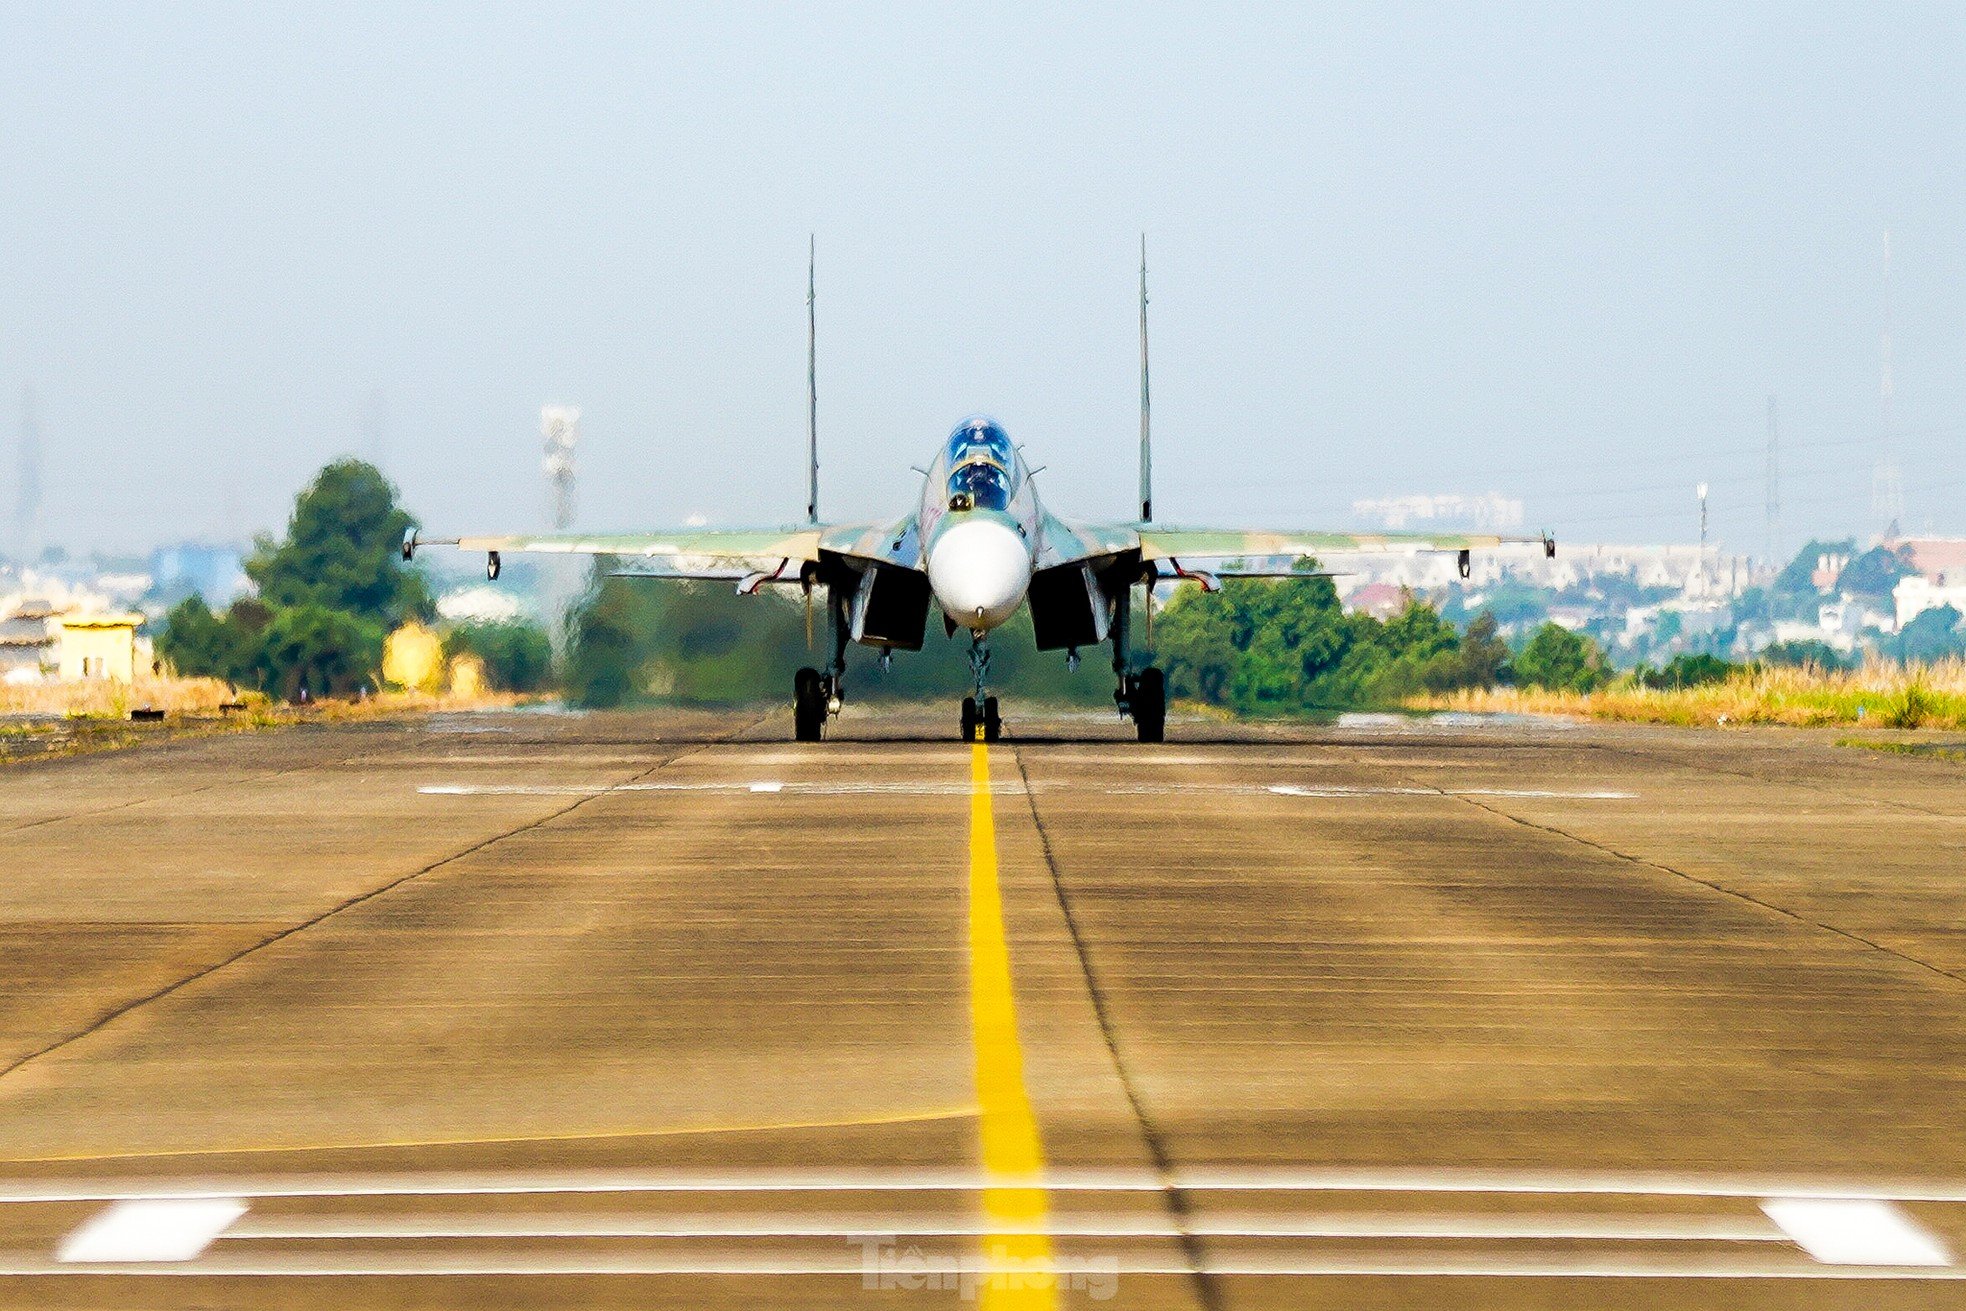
{"x": 1915, "y": 594}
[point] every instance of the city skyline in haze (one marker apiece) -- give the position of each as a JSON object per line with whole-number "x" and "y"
{"x": 1560, "y": 257}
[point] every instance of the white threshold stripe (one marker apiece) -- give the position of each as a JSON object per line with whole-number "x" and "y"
{"x": 855, "y": 1260}
{"x": 1518, "y": 1228}
{"x": 174, "y": 1230}
{"x": 467, "y": 1183}
{"x": 933, "y": 789}
{"x": 1855, "y": 1232}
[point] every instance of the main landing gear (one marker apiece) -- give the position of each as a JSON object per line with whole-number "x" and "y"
{"x": 816, "y": 696}
{"x": 1141, "y": 697}
{"x": 980, "y": 710}
{"x": 1144, "y": 697}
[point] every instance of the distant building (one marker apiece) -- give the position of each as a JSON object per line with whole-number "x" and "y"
{"x": 1490, "y": 513}
{"x": 1940, "y": 560}
{"x": 1829, "y": 568}
{"x": 95, "y": 647}
{"x": 1380, "y": 600}
{"x": 1916, "y": 594}
{"x": 479, "y": 605}
{"x": 28, "y": 641}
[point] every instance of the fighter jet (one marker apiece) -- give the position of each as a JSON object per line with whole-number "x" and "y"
{"x": 979, "y": 544}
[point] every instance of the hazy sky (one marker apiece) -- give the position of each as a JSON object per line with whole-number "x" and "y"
{"x": 1558, "y": 253}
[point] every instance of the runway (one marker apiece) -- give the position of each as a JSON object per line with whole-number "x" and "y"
{"x": 663, "y": 1009}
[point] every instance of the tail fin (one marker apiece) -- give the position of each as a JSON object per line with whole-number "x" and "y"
{"x": 1146, "y": 409}
{"x": 812, "y": 382}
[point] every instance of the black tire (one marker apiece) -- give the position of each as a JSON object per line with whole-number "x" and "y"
{"x": 969, "y": 719}
{"x": 992, "y": 721}
{"x": 808, "y": 706}
{"x": 1150, "y": 705}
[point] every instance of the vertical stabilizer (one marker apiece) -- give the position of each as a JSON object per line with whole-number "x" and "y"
{"x": 812, "y": 382}
{"x": 1146, "y": 407}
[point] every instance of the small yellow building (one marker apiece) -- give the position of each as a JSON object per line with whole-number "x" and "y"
{"x": 99, "y": 647}
{"x": 413, "y": 657}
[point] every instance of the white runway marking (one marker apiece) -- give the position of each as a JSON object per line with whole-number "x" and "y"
{"x": 150, "y": 1231}
{"x": 936, "y": 789}
{"x": 1819, "y": 1230}
{"x": 1855, "y": 1232}
{"x": 1521, "y": 1228}
{"x": 851, "y": 1261}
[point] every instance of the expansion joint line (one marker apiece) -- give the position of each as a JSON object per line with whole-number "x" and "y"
{"x": 1179, "y": 1210}
{"x": 117, "y": 1012}
{"x": 1711, "y": 886}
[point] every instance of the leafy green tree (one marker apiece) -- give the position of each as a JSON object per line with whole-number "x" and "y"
{"x": 343, "y": 550}
{"x": 326, "y": 652}
{"x": 1808, "y": 653}
{"x": 1480, "y": 660}
{"x": 1875, "y": 572}
{"x": 197, "y": 643}
{"x": 1561, "y": 660}
{"x": 1932, "y": 635}
{"x": 1795, "y": 577}
{"x": 1688, "y": 669}
{"x": 518, "y": 657}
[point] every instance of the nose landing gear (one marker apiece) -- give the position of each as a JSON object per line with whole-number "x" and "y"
{"x": 980, "y": 711}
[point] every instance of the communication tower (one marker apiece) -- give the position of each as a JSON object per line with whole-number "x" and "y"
{"x": 560, "y": 426}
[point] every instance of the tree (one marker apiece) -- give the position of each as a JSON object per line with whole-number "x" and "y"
{"x": 343, "y": 551}
{"x": 197, "y": 643}
{"x": 1796, "y": 576}
{"x": 1875, "y": 572}
{"x": 1805, "y": 654}
{"x": 1933, "y": 635}
{"x": 1561, "y": 660}
{"x": 327, "y": 652}
{"x": 1481, "y": 659}
{"x": 1688, "y": 670}
{"x": 518, "y": 657}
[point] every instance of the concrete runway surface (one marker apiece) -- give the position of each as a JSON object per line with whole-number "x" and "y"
{"x": 529, "y": 1010}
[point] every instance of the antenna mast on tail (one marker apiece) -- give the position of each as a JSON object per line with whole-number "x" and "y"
{"x": 1146, "y": 409}
{"x": 812, "y": 382}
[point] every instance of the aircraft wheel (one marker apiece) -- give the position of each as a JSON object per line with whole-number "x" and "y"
{"x": 1150, "y": 705}
{"x": 808, "y": 706}
{"x": 970, "y": 719}
{"x": 992, "y": 722}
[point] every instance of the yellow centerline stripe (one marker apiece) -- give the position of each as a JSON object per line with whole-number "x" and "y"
{"x": 1018, "y": 1251}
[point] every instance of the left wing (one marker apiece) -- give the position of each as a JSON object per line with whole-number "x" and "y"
{"x": 754, "y": 555}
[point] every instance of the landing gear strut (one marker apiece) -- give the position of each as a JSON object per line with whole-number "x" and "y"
{"x": 1141, "y": 697}
{"x": 817, "y": 697}
{"x": 980, "y": 711}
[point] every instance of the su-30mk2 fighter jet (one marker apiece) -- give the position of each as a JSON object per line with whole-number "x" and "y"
{"x": 979, "y": 545}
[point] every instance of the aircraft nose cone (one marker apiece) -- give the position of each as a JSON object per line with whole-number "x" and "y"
{"x": 979, "y": 571}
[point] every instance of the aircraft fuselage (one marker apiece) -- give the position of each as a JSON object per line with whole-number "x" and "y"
{"x": 980, "y": 524}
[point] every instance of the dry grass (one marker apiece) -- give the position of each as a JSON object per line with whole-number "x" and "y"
{"x": 1879, "y": 695}
{"x": 99, "y": 698}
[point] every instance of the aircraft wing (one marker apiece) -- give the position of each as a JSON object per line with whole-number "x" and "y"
{"x": 756, "y": 554}
{"x": 1251, "y": 552}
{"x": 1266, "y": 544}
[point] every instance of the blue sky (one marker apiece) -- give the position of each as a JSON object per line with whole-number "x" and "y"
{"x": 1560, "y": 252}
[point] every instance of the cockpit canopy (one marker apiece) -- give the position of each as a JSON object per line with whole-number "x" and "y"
{"x": 983, "y": 439}
{"x": 981, "y": 464}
